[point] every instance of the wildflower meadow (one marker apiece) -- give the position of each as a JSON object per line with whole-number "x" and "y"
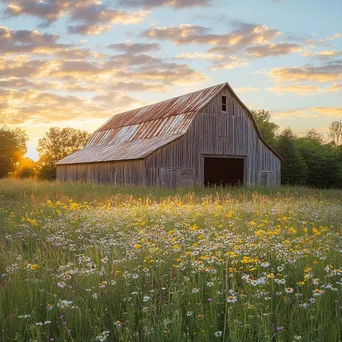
{"x": 83, "y": 262}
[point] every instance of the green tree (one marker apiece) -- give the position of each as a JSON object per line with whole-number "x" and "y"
{"x": 26, "y": 169}
{"x": 12, "y": 149}
{"x": 267, "y": 128}
{"x": 335, "y": 132}
{"x": 324, "y": 168}
{"x": 47, "y": 172}
{"x": 59, "y": 143}
{"x": 293, "y": 167}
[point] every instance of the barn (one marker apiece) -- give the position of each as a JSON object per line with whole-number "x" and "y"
{"x": 208, "y": 137}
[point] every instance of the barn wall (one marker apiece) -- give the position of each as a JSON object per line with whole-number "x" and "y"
{"x": 215, "y": 133}
{"x": 123, "y": 172}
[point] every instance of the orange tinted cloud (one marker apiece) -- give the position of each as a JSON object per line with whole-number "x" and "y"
{"x": 246, "y": 34}
{"x": 218, "y": 61}
{"x": 84, "y": 16}
{"x": 326, "y": 73}
{"x": 28, "y": 106}
{"x": 295, "y": 89}
{"x": 325, "y": 53}
{"x": 28, "y": 41}
{"x": 158, "y": 3}
{"x": 328, "y": 111}
{"x": 95, "y": 19}
{"x": 272, "y": 49}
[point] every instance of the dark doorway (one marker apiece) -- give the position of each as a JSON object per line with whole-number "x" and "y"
{"x": 223, "y": 171}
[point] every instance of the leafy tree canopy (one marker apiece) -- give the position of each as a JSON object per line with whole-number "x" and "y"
{"x": 293, "y": 166}
{"x": 12, "y": 149}
{"x": 267, "y": 128}
{"x": 335, "y": 132}
{"x": 59, "y": 143}
{"x": 26, "y": 168}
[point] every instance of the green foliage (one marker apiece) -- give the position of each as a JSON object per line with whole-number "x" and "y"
{"x": 26, "y": 169}
{"x": 47, "y": 172}
{"x": 293, "y": 167}
{"x": 12, "y": 149}
{"x": 307, "y": 160}
{"x": 267, "y": 128}
{"x": 59, "y": 143}
{"x": 335, "y": 132}
{"x": 324, "y": 167}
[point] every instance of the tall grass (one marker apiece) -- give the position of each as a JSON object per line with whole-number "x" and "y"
{"x": 85, "y": 262}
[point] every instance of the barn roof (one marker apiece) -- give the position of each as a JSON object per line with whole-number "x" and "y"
{"x": 139, "y": 132}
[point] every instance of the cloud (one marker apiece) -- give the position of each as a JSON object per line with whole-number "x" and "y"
{"x": 323, "y": 55}
{"x": 327, "y": 53}
{"x": 85, "y": 73}
{"x": 49, "y": 11}
{"x": 325, "y": 73}
{"x": 80, "y": 53}
{"x": 200, "y": 55}
{"x": 96, "y": 19}
{"x": 27, "y": 41}
{"x": 137, "y": 86}
{"x": 21, "y": 67}
{"x": 14, "y": 83}
{"x": 272, "y": 50}
{"x": 334, "y": 36}
{"x": 230, "y": 49}
{"x": 245, "y": 34}
{"x": 314, "y": 41}
{"x": 159, "y": 3}
{"x": 135, "y": 48}
{"x": 218, "y": 61}
{"x": 127, "y": 67}
{"x": 228, "y": 62}
{"x": 293, "y": 113}
{"x": 314, "y": 112}
{"x": 33, "y": 90}
{"x": 168, "y": 73}
{"x": 19, "y": 83}
{"x": 328, "y": 111}
{"x": 87, "y": 16}
{"x": 129, "y": 60}
{"x": 335, "y": 87}
{"x": 295, "y": 89}
{"x": 23, "y": 106}
{"x": 117, "y": 100}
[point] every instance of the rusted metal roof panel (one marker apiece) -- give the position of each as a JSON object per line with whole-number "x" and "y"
{"x": 188, "y": 103}
{"x": 126, "y": 150}
{"x": 169, "y": 126}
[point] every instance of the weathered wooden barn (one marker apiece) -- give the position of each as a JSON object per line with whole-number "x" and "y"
{"x": 208, "y": 136}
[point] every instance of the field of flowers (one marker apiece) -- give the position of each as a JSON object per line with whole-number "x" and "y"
{"x": 95, "y": 263}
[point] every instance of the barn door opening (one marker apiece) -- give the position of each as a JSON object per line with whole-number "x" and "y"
{"x": 223, "y": 171}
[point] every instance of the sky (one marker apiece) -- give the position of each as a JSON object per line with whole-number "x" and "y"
{"x": 77, "y": 63}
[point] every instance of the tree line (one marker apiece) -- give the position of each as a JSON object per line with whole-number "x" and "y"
{"x": 307, "y": 160}
{"x": 56, "y": 144}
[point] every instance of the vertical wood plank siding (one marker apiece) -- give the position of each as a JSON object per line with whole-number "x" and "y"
{"x": 180, "y": 163}
{"x": 123, "y": 172}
